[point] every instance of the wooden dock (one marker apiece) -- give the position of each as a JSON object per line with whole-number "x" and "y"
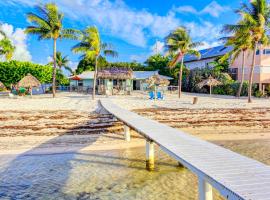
{"x": 236, "y": 177}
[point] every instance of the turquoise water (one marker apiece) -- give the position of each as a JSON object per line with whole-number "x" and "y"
{"x": 116, "y": 174}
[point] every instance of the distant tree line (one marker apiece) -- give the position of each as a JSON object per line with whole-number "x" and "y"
{"x": 13, "y": 71}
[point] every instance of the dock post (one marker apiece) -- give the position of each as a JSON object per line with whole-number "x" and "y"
{"x": 150, "y": 159}
{"x": 205, "y": 190}
{"x": 127, "y": 133}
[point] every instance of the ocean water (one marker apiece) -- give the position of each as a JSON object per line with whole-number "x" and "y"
{"x": 99, "y": 175}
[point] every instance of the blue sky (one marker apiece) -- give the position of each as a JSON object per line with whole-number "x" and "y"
{"x": 136, "y": 28}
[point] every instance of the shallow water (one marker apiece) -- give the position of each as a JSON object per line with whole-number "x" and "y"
{"x": 117, "y": 174}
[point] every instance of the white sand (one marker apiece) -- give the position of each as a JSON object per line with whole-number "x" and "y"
{"x": 140, "y": 100}
{"x": 84, "y": 103}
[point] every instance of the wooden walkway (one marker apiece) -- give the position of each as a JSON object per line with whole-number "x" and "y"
{"x": 233, "y": 175}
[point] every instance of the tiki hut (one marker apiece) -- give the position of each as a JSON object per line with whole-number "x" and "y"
{"x": 2, "y": 86}
{"x": 115, "y": 73}
{"x": 29, "y": 82}
{"x": 114, "y": 80}
{"x": 209, "y": 82}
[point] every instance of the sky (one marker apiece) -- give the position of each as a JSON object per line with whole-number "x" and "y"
{"x": 135, "y": 28}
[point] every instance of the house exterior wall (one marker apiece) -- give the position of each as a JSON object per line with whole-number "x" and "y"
{"x": 199, "y": 63}
{"x": 262, "y": 66}
{"x": 73, "y": 83}
{"x": 88, "y": 83}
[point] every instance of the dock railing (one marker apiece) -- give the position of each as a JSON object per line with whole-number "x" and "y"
{"x": 236, "y": 177}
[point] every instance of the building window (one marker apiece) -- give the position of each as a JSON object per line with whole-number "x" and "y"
{"x": 80, "y": 83}
{"x": 266, "y": 51}
{"x": 258, "y": 52}
{"x": 234, "y": 73}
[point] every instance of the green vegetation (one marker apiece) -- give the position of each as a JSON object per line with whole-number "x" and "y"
{"x": 179, "y": 44}
{"x": 6, "y": 48}
{"x": 62, "y": 62}
{"x": 253, "y": 24}
{"x": 47, "y": 24}
{"x": 93, "y": 48}
{"x": 13, "y": 71}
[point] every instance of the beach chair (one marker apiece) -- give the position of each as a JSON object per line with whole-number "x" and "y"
{"x": 151, "y": 95}
{"x": 160, "y": 96}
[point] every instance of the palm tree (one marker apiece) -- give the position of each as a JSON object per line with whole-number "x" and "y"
{"x": 179, "y": 44}
{"x": 92, "y": 47}
{"x": 62, "y": 62}
{"x": 255, "y": 18}
{"x": 47, "y": 24}
{"x": 6, "y": 48}
{"x": 241, "y": 42}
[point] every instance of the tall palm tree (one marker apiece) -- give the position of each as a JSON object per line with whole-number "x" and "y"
{"x": 6, "y": 48}
{"x": 47, "y": 24}
{"x": 92, "y": 47}
{"x": 179, "y": 44}
{"x": 62, "y": 62}
{"x": 241, "y": 42}
{"x": 255, "y": 18}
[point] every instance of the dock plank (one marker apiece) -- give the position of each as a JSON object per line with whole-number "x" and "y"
{"x": 234, "y": 175}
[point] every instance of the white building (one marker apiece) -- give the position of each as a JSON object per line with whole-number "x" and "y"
{"x": 207, "y": 56}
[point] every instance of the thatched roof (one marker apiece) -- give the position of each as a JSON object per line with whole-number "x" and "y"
{"x": 2, "y": 86}
{"x": 209, "y": 82}
{"x": 115, "y": 73}
{"x": 157, "y": 80}
{"x": 29, "y": 81}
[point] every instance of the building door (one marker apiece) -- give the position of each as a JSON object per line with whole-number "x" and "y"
{"x": 136, "y": 85}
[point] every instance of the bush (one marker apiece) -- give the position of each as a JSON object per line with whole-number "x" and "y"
{"x": 258, "y": 94}
{"x": 12, "y": 72}
{"x": 232, "y": 88}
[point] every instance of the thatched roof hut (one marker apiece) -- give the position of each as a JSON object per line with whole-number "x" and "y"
{"x": 2, "y": 86}
{"x": 157, "y": 80}
{"x": 115, "y": 73}
{"x": 29, "y": 81}
{"x": 209, "y": 82}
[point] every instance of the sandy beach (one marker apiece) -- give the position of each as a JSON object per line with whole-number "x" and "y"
{"x": 68, "y": 123}
{"x": 64, "y": 143}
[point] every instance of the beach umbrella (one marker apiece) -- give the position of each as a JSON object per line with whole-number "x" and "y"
{"x": 75, "y": 78}
{"x": 29, "y": 81}
{"x": 209, "y": 82}
{"x": 157, "y": 80}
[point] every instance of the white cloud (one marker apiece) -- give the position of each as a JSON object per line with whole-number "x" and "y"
{"x": 73, "y": 65}
{"x": 49, "y": 59}
{"x": 187, "y": 9}
{"x": 117, "y": 19}
{"x": 203, "y": 30}
{"x": 158, "y": 47}
{"x": 214, "y": 9}
{"x": 207, "y": 45}
{"x": 19, "y": 40}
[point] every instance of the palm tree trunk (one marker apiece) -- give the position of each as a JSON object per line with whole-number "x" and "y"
{"x": 180, "y": 78}
{"x": 95, "y": 79}
{"x": 243, "y": 74}
{"x": 54, "y": 69}
{"x": 251, "y": 74}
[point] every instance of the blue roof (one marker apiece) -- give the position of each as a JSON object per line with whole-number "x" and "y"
{"x": 209, "y": 53}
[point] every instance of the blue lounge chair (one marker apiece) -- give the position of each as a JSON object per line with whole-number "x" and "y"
{"x": 151, "y": 95}
{"x": 159, "y": 96}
